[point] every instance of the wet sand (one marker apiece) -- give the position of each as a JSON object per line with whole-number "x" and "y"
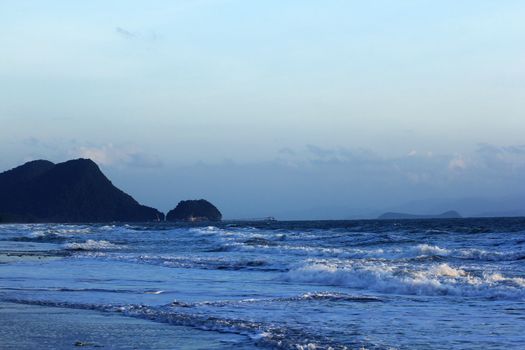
{"x": 41, "y": 327}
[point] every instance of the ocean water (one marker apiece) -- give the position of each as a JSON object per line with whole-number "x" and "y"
{"x": 417, "y": 284}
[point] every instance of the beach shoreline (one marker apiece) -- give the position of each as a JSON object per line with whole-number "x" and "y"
{"x": 45, "y": 327}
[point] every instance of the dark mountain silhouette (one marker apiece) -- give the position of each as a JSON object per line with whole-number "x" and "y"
{"x": 446, "y": 215}
{"x": 194, "y": 210}
{"x": 73, "y": 191}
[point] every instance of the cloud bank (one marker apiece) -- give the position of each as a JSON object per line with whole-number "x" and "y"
{"x": 109, "y": 155}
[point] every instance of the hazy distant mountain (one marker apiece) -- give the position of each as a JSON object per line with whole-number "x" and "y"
{"x": 451, "y": 214}
{"x": 468, "y": 207}
{"x": 73, "y": 191}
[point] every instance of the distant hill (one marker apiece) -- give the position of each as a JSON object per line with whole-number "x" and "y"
{"x": 446, "y": 215}
{"x": 73, "y": 191}
{"x": 469, "y": 206}
{"x": 194, "y": 210}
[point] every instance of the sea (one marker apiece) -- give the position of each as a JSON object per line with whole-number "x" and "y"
{"x": 370, "y": 284}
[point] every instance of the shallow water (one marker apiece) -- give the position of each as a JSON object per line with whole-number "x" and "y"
{"x": 429, "y": 284}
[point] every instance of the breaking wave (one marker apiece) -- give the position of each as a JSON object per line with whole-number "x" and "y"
{"x": 92, "y": 245}
{"x": 438, "y": 279}
{"x": 419, "y": 251}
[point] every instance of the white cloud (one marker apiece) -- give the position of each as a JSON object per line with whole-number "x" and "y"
{"x": 110, "y": 155}
{"x": 502, "y": 158}
{"x": 458, "y": 163}
{"x": 98, "y": 155}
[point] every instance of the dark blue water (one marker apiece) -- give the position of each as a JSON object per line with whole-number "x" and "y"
{"x": 429, "y": 284}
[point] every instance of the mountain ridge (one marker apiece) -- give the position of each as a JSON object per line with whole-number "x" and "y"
{"x": 72, "y": 191}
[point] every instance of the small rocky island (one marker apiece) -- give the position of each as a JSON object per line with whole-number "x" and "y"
{"x": 194, "y": 210}
{"x": 73, "y": 191}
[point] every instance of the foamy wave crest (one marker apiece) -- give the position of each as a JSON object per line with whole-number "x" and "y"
{"x": 438, "y": 279}
{"x": 92, "y": 245}
{"x": 479, "y": 254}
{"x": 419, "y": 251}
{"x": 347, "y": 253}
{"x": 62, "y": 230}
{"x": 208, "y": 231}
{"x": 273, "y": 248}
{"x": 41, "y": 233}
{"x": 426, "y": 249}
{"x": 469, "y": 254}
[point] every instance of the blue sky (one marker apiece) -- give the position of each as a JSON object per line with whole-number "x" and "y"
{"x": 269, "y": 107}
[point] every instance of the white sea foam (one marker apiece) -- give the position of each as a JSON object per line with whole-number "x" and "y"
{"x": 154, "y": 292}
{"x": 466, "y": 253}
{"x": 302, "y": 250}
{"x": 447, "y": 271}
{"x": 37, "y": 234}
{"x": 437, "y": 279}
{"x": 306, "y": 297}
{"x": 209, "y": 230}
{"x": 426, "y": 249}
{"x": 91, "y": 245}
{"x": 411, "y": 252}
{"x": 73, "y": 230}
{"x": 308, "y": 346}
{"x": 58, "y": 232}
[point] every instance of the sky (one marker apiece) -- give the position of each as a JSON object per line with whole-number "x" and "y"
{"x": 293, "y": 109}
